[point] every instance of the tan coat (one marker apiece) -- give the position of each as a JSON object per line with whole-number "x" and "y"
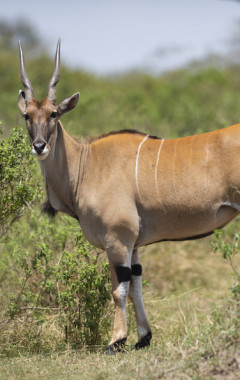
{"x": 128, "y": 189}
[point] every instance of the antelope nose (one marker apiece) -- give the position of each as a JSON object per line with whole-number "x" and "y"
{"x": 39, "y": 146}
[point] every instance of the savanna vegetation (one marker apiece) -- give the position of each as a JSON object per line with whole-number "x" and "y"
{"x": 55, "y": 307}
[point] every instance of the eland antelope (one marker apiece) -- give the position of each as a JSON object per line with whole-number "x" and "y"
{"x": 128, "y": 189}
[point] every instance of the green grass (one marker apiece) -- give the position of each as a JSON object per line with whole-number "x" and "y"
{"x": 187, "y": 292}
{"x": 194, "y": 319}
{"x": 184, "y": 351}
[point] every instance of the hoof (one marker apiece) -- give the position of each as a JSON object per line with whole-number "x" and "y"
{"x": 115, "y": 347}
{"x": 144, "y": 342}
{"x": 109, "y": 350}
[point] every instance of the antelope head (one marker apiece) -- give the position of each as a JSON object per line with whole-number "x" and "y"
{"x": 42, "y": 117}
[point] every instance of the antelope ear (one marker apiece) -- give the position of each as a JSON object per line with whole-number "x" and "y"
{"x": 68, "y": 104}
{"x": 21, "y": 102}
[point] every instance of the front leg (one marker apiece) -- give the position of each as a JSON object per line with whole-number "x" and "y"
{"x": 119, "y": 243}
{"x": 119, "y": 257}
{"x": 120, "y": 285}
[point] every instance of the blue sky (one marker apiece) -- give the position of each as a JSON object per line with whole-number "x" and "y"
{"x": 107, "y": 36}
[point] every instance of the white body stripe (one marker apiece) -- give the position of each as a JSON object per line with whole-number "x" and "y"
{"x": 137, "y": 158}
{"x": 207, "y": 159}
{"x": 156, "y": 169}
{"x": 173, "y": 167}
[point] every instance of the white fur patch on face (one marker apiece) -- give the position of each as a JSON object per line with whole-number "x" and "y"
{"x": 41, "y": 156}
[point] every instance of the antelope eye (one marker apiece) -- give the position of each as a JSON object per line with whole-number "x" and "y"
{"x": 53, "y": 114}
{"x": 26, "y": 116}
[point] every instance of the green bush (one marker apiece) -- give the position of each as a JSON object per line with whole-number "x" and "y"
{"x": 18, "y": 189}
{"x": 63, "y": 286}
{"x": 229, "y": 248}
{"x": 58, "y": 282}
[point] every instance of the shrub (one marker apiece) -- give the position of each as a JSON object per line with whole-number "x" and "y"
{"x": 229, "y": 250}
{"x": 61, "y": 282}
{"x": 17, "y": 188}
{"x": 63, "y": 287}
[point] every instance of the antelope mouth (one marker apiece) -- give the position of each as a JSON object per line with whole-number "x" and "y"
{"x": 40, "y": 154}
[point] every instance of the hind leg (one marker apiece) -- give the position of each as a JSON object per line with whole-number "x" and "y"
{"x": 135, "y": 294}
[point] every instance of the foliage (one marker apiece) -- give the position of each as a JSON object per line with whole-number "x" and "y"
{"x": 63, "y": 285}
{"x": 189, "y": 101}
{"x": 51, "y": 276}
{"x": 167, "y": 106}
{"x": 17, "y": 187}
{"x": 229, "y": 249}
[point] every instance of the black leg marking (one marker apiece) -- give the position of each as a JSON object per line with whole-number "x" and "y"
{"x": 136, "y": 270}
{"x": 123, "y": 274}
{"x": 115, "y": 347}
{"x": 144, "y": 342}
